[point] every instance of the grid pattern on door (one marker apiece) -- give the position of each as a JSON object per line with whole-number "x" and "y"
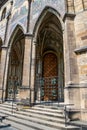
{"x": 50, "y": 74}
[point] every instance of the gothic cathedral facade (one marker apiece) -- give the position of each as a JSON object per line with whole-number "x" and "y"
{"x": 43, "y": 52}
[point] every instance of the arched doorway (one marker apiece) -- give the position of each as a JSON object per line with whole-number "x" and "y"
{"x": 49, "y": 60}
{"x": 15, "y": 67}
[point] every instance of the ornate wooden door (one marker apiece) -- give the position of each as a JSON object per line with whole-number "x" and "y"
{"x": 50, "y": 75}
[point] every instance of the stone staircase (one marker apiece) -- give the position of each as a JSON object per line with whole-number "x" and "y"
{"x": 38, "y": 117}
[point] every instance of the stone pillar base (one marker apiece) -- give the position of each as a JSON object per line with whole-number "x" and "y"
{"x": 0, "y": 96}
{"x": 84, "y": 115}
{"x": 24, "y": 97}
{"x": 75, "y": 114}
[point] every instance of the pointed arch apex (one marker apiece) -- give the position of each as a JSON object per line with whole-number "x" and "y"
{"x": 43, "y": 14}
{"x": 14, "y": 33}
{"x": 17, "y": 27}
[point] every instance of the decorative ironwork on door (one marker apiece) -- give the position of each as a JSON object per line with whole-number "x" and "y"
{"x": 49, "y": 88}
{"x": 13, "y": 87}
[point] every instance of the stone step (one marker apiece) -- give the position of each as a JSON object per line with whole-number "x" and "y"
{"x": 44, "y": 108}
{"x": 45, "y": 113}
{"x": 38, "y": 126}
{"x": 39, "y": 107}
{"x": 36, "y": 115}
{"x": 42, "y": 117}
{"x": 52, "y": 106}
{"x": 31, "y": 124}
{"x": 33, "y": 119}
{"x": 49, "y": 118}
{"x": 36, "y": 118}
{"x": 18, "y": 126}
{"x": 33, "y": 110}
{"x": 8, "y": 105}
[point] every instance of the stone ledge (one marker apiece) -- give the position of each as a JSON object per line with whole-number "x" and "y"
{"x": 4, "y": 47}
{"x": 81, "y": 50}
{"x": 28, "y": 35}
{"x": 83, "y": 124}
{"x": 73, "y": 110}
{"x": 71, "y": 86}
{"x": 24, "y": 87}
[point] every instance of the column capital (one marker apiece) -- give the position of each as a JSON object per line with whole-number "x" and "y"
{"x": 4, "y": 47}
{"x": 28, "y": 35}
{"x": 69, "y": 15}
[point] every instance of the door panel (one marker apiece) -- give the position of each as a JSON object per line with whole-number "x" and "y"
{"x": 50, "y": 75}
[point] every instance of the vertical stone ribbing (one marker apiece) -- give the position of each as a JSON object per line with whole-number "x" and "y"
{"x": 70, "y": 6}
{"x": 25, "y": 90}
{"x": 33, "y": 72}
{"x": 2, "y": 72}
{"x": 85, "y": 4}
{"x": 79, "y": 5}
{"x": 69, "y": 46}
{"x": 70, "y": 66}
{"x": 76, "y": 6}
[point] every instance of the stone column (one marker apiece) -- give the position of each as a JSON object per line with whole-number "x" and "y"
{"x": 33, "y": 72}
{"x": 3, "y": 72}
{"x": 72, "y": 92}
{"x": 25, "y": 89}
{"x": 39, "y": 73}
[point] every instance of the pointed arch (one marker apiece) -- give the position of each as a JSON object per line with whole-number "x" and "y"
{"x": 48, "y": 34}
{"x": 14, "y": 34}
{"x": 15, "y": 58}
{"x": 43, "y": 14}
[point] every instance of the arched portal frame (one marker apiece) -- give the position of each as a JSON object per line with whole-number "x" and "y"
{"x": 16, "y": 29}
{"x": 45, "y": 47}
{"x": 41, "y": 17}
{"x": 14, "y": 63}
